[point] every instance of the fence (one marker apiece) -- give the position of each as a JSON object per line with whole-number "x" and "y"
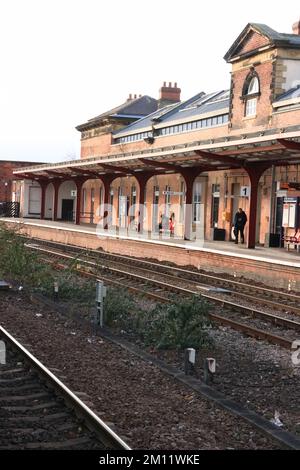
{"x": 9, "y": 209}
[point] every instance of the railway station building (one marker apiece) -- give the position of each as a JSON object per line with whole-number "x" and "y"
{"x": 196, "y": 161}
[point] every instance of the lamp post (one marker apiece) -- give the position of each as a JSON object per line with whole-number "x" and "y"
{"x": 6, "y": 185}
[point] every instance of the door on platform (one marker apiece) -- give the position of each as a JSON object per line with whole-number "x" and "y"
{"x": 258, "y": 212}
{"x": 235, "y": 204}
{"x": 123, "y": 204}
{"x": 34, "y": 203}
{"x": 100, "y": 210}
{"x": 67, "y": 207}
{"x": 197, "y": 202}
{"x": 155, "y": 202}
{"x": 278, "y": 219}
{"x": 110, "y": 214}
{"x": 167, "y": 203}
{"x": 235, "y": 199}
{"x": 83, "y": 205}
{"x": 215, "y": 202}
{"x": 132, "y": 206}
{"x": 92, "y": 205}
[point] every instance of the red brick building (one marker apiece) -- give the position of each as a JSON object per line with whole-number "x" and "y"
{"x": 197, "y": 160}
{"x": 7, "y": 189}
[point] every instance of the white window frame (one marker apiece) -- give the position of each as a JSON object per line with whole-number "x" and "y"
{"x": 251, "y": 99}
{"x": 251, "y": 105}
{"x": 197, "y": 201}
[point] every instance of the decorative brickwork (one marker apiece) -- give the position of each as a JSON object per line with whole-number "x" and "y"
{"x": 252, "y": 42}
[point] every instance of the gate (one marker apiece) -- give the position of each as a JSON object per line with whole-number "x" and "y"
{"x": 9, "y": 209}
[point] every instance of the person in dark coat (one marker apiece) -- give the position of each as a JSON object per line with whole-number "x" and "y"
{"x": 239, "y": 222}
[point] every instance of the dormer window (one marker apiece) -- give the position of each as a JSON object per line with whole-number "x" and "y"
{"x": 250, "y": 94}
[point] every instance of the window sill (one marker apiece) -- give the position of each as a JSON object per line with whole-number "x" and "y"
{"x": 248, "y": 118}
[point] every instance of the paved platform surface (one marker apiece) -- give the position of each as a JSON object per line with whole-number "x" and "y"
{"x": 270, "y": 255}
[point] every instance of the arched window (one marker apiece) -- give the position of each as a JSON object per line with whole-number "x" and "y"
{"x": 251, "y": 93}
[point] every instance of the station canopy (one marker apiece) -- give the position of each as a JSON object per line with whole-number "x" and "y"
{"x": 280, "y": 149}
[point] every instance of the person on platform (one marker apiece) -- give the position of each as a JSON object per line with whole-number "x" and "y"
{"x": 160, "y": 225}
{"x": 172, "y": 224}
{"x": 239, "y": 222}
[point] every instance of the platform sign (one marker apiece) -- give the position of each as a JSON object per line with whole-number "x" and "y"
{"x": 285, "y": 215}
{"x": 289, "y": 215}
{"x": 245, "y": 191}
{"x": 122, "y": 205}
{"x": 173, "y": 193}
{"x": 281, "y": 193}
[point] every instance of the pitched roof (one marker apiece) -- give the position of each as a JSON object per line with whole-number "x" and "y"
{"x": 192, "y": 109}
{"x": 133, "y": 109}
{"x": 290, "y": 94}
{"x": 274, "y": 38}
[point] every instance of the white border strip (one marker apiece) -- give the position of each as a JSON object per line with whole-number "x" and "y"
{"x": 159, "y": 242}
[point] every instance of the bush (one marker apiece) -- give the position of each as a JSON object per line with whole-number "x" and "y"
{"x": 17, "y": 262}
{"x": 119, "y": 308}
{"x": 179, "y": 325}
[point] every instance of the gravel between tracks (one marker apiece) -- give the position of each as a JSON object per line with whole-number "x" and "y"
{"x": 148, "y": 409}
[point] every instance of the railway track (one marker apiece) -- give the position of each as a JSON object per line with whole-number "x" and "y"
{"x": 164, "y": 288}
{"x": 37, "y": 411}
{"x": 264, "y": 296}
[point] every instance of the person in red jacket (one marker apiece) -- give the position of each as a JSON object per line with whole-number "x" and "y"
{"x": 172, "y": 224}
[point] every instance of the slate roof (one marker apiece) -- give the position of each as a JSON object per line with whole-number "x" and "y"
{"x": 192, "y": 108}
{"x": 290, "y": 94}
{"x": 278, "y": 39}
{"x": 134, "y": 109}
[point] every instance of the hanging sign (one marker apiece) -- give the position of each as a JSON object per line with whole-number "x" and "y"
{"x": 245, "y": 191}
{"x": 173, "y": 193}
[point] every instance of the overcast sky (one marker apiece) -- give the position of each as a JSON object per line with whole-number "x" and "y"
{"x": 66, "y": 61}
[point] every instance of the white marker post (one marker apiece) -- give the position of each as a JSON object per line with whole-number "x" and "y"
{"x": 2, "y": 352}
{"x": 100, "y": 294}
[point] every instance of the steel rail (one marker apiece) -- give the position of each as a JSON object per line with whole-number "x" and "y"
{"x": 247, "y": 329}
{"x": 185, "y": 272}
{"x": 277, "y": 320}
{"x": 107, "y": 436}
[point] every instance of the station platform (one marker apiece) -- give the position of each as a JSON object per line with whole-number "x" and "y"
{"x": 275, "y": 267}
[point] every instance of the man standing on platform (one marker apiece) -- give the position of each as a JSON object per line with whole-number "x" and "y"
{"x": 239, "y": 222}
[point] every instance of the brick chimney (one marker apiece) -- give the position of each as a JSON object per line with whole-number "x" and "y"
{"x": 132, "y": 97}
{"x": 168, "y": 94}
{"x": 296, "y": 28}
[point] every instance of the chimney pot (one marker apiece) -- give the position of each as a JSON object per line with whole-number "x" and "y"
{"x": 130, "y": 96}
{"x": 296, "y": 28}
{"x": 168, "y": 95}
{"x": 135, "y": 96}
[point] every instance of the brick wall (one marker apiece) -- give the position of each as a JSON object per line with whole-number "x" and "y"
{"x": 95, "y": 146}
{"x": 264, "y": 72}
{"x": 254, "y": 41}
{"x": 6, "y": 177}
{"x": 271, "y": 274}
